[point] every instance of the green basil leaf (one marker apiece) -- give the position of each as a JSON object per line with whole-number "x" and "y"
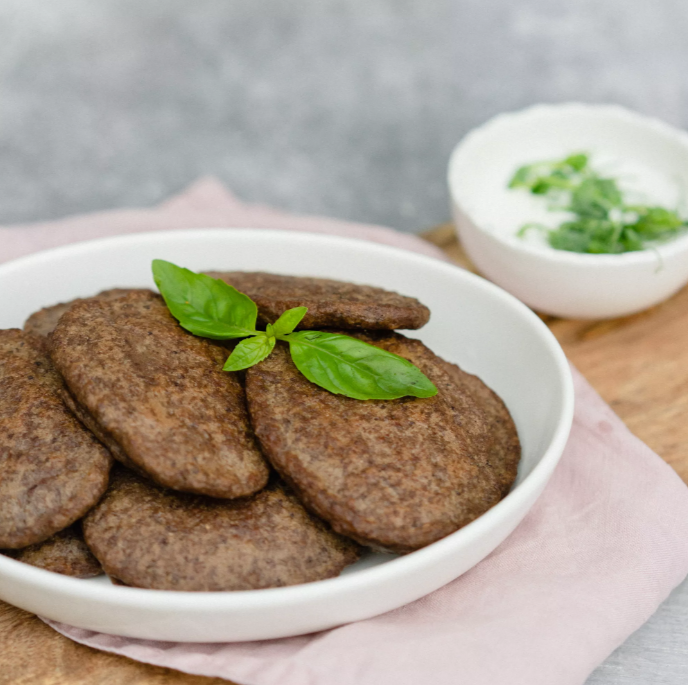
{"x": 577, "y": 162}
{"x": 249, "y": 352}
{"x": 351, "y": 367}
{"x": 521, "y": 179}
{"x": 205, "y": 306}
{"x": 289, "y": 320}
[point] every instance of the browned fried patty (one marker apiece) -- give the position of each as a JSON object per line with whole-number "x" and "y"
{"x": 43, "y": 321}
{"x": 65, "y": 552}
{"x": 52, "y": 470}
{"x": 160, "y": 394}
{"x": 397, "y": 474}
{"x": 331, "y": 304}
{"x": 149, "y": 537}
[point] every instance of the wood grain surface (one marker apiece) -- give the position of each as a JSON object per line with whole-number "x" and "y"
{"x": 31, "y": 653}
{"x": 639, "y": 365}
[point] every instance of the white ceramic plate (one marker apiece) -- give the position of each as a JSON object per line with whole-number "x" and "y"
{"x": 473, "y": 323}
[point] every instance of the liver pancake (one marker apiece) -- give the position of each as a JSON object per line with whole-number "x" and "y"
{"x": 146, "y": 536}
{"x": 160, "y": 394}
{"x": 43, "y": 321}
{"x": 52, "y": 470}
{"x": 396, "y": 474}
{"x": 331, "y": 304}
{"x": 65, "y": 552}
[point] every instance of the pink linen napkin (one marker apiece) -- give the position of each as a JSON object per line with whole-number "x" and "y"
{"x": 205, "y": 204}
{"x": 603, "y": 546}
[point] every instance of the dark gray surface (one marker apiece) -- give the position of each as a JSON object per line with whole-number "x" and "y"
{"x": 657, "y": 653}
{"x": 348, "y": 108}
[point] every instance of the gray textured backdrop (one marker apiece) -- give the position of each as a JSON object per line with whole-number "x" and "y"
{"x": 346, "y": 107}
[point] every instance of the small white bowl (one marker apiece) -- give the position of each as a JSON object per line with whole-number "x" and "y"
{"x": 487, "y": 213}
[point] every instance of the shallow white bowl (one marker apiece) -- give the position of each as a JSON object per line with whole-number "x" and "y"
{"x": 473, "y": 323}
{"x": 567, "y": 284}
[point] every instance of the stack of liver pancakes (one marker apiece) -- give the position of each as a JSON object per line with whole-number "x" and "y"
{"x": 126, "y": 449}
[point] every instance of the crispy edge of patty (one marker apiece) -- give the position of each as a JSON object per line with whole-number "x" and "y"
{"x": 58, "y": 469}
{"x": 92, "y": 425}
{"x": 331, "y": 303}
{"x": 65, "y": 552}
{"x": 147, "y": 536}
{"x": 154, "y": 407}
{"x": 316, "y": 458}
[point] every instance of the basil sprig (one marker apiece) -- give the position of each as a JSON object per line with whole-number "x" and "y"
{"x": 211, "y": 308}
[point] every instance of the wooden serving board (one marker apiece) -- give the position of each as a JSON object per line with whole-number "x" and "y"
{"x": 639, "y": 364}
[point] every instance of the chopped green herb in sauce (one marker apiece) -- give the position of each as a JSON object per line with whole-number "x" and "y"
{"x": 602, "y": 222}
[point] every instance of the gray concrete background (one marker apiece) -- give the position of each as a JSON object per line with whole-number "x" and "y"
{"x": 341, "y": 107}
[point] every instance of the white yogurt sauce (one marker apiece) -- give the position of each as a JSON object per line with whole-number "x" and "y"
{"x": 512, "y": 208}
